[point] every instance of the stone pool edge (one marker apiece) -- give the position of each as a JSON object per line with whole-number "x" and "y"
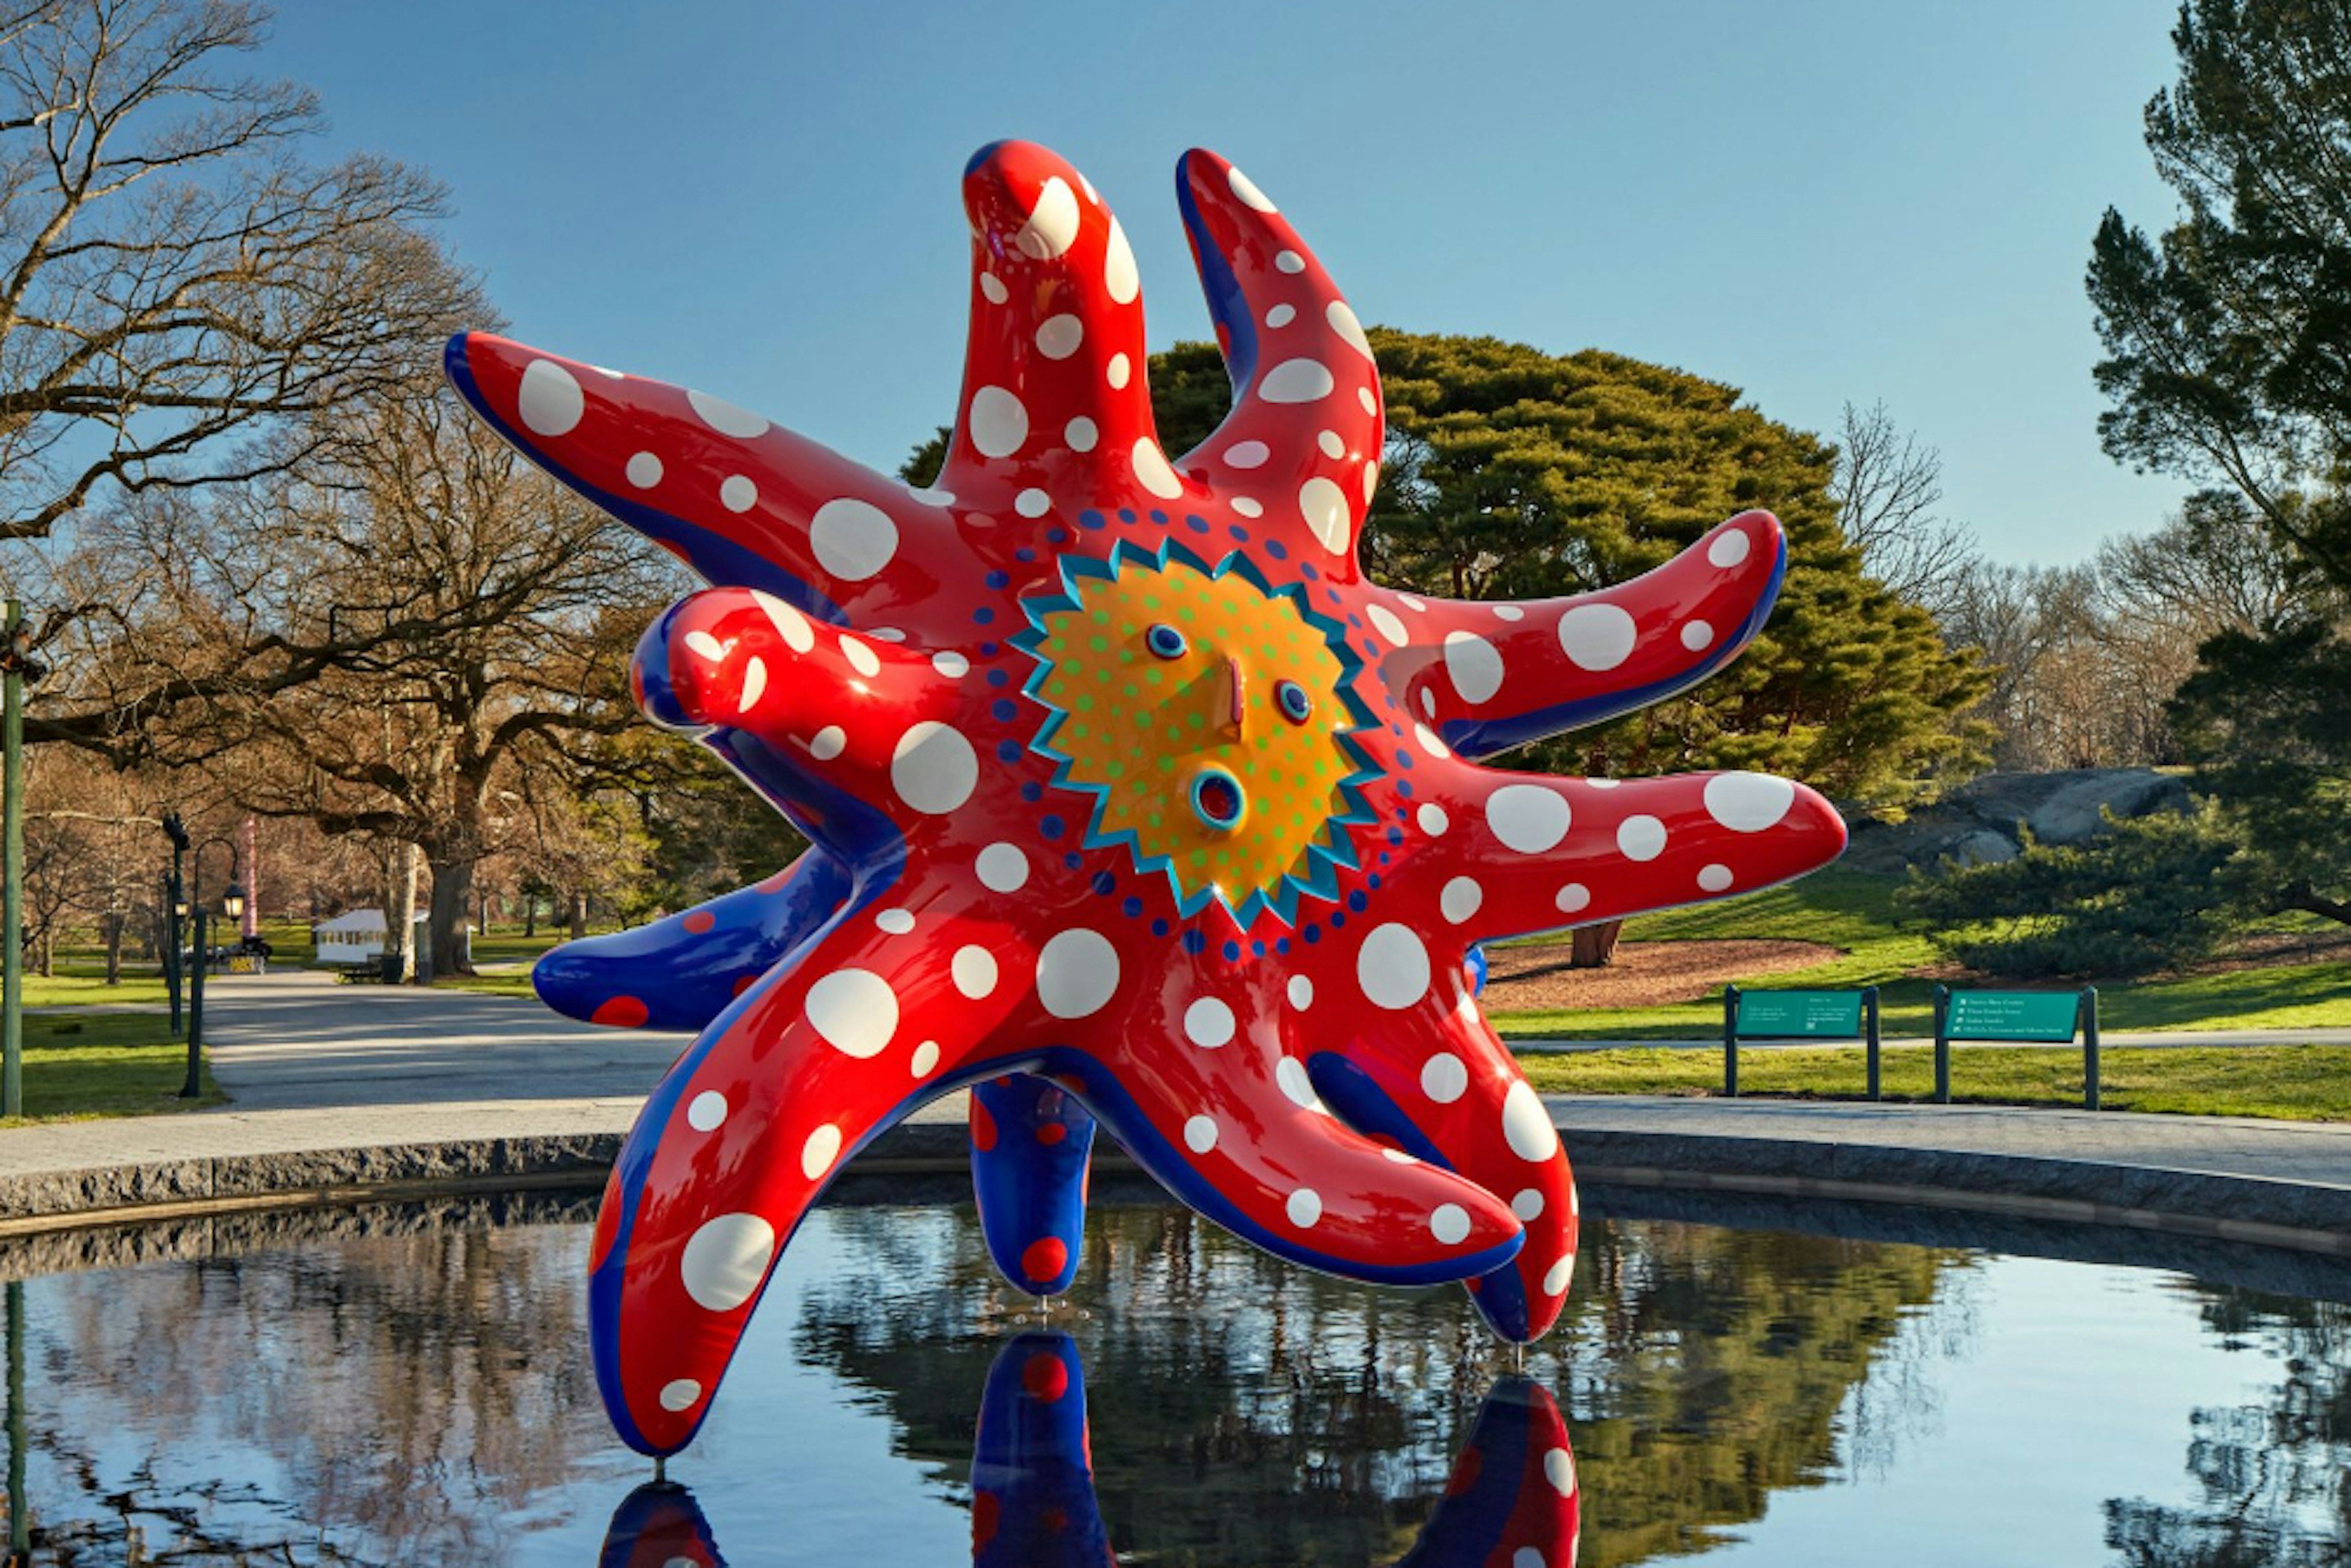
{"x": 2266, "y": 1211}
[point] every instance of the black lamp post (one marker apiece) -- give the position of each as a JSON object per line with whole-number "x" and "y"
{"x": 233, "y": 906}
{"x": 175, "y": 902}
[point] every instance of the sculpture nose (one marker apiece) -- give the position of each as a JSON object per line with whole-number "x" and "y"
{"x": 1235, "y": 717}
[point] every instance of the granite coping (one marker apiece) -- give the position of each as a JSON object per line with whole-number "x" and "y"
{"x": 2260, "y": 1183}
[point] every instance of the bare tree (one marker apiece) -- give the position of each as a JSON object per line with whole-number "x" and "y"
{"x": 173, "y": 277}
{"x": 1888, "y": 487}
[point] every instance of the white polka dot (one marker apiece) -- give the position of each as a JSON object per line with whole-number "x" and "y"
{"x": 1289, "y": 261}
{"x": 951, "y": 664}
{"x": 1392, "y": 966}
{"x": 1698, "y": 636}
{"x": 1526, "y": 1126}
{"x": 1443, "y": 1078}
{"x": 1557, "y": 1277}
{"x": 1713, "y": 878}
{"x": 1371, "y": 404}
{"x": 1527, "y": 817}
{"x": 934, "y": 769}
{"x": 999, "y": 422}
{"x": 823, "y": 1146}
{"x": 1596, "y": 636}
{"x": 973, "y": 969}
{"x": 1033, "y": 503}
{"x": 1077, "y": 971}
{"x": 993, "y": 286}
{"x": 1296, "y": 380}
{"x": 1053, "y": 224}
{"x": 1058, "y": 337}
{"x": 1449, "y": 1223}
{"x": 852, "y": 539}
{"x": 854, "y": 1010}
{"x": 1119, "y": 275}
{"x": 1080, "y": 433}
{"x": 927, "y": 1056}
{"x": 1350, "y": 331}
{"x": 1398, "y": 1157}
{"x": 1304, "y": 1207}
{"x": 1371, "y": 480}
{"x": 707, "y": 647}
{"x": 1246, "y": 454}
{"x": 896, "y": 922}
{"x": 1559, "y": 1468}
{"x": 1291, "y": 1074}
{"x": 1475, "y": 664}
{"x": 1247, "y": 192}
{"x": 722, "y": 1262}
{"x": 1529, "y": 1557}
{"x": 755, "y": 682}
{"x": 1281, "y": 315}
{"x": 1324, "y": 507}
{"x": 930, "y": 496}
{"x": 725, "y": 418}
{"x": 1749, "y": 803}
{"x": 1302, "y": 992}
{"x": 549, "y": 400}
{"x": 738, "y": 494}
{"x": 705, "y": 1110}
{"x": 1509, "y": 613}
{"x": 1200, "y": 1134}
{"x": 1434, "y": 821}
{"x": 1641, "y": 838}
{"x": 1247, "y": 507}
{"x": 680, "y": 1395}
{"x": 645, "y": 470}
{"x": 789, "y": 623}
{"x": 1429, "y": 743}
{"x": 1331, "y": 443}
{"x": 1573, "y": 899}
{"x": 1208, "y": 1023}
{"x": 1428, "y": 701}
{"x": 1002, "y": 868}
{"x": 1460, "y": 899}
{"x": 1385, "y": 622}
{"x": 1419, "y": 606}
{"x": 861, "y": 659}
{"x": 1602, "y": 783}
{"x": 1528, "y": 1203}
{"x": 1118, "y": 371}
{"x": 827, "y": 743}
{"x": 1728, "y": 548}
{"x": 1152, "y": 473}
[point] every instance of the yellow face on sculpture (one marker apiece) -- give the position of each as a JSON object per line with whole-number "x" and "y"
{"x": 1207, "y": 716}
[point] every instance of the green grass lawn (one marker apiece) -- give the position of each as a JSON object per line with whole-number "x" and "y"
{"x": 104, "y": 1064}
{"x": 2293, "y": 1082}
{"x": 1854, "y": 912}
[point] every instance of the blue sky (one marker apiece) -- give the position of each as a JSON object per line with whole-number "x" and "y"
{"x": 1815, "y": 201}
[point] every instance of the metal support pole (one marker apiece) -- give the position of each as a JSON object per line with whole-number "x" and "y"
{"x": 195, "y": 1086}
{"x": 11, "y": 872}
{"x": 1730, "y": 1041}
{"x": 170, "y": 954}
{"x": 1942, "y": 1045}
{"x": 1869, "y": 1027}
{"x": 2090, "y": 1047}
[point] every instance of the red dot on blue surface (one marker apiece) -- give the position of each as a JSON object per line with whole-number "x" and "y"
{"x": 1045, "y": 1376}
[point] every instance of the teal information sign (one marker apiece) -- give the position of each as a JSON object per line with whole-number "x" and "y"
{"x": 2012, "y": 1015}
{"x": 1799, "y": 1015}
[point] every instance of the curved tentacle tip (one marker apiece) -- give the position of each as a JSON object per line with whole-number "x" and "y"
{"x": 1025, "y": 197}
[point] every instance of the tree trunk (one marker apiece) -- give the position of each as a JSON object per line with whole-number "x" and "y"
{"x": 402, "y": 918}
{"x": 529, "y": 915}
{"x": 113, "y": 922}
{"x": 1594, "y": 946}
{"x": 452, "y": 901}
{"x": 579, "y": 914}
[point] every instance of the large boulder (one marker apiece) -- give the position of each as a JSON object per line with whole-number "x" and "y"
{"x": 1980, "y": 820}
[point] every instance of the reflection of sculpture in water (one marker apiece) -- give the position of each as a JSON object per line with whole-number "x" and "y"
{"x": 1511, "y": 1498}
{"x": 1132, "y": 798}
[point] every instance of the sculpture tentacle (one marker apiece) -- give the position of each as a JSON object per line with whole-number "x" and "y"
{"x": 1302, "y": 443}
{"x": 1031, "y": 1143}
{"x": 1489, "y": 676}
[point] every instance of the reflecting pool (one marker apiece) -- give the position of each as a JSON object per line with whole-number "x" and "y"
{"x": 408, "y": 1385}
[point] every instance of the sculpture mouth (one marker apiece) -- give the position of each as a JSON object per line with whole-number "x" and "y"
{"x": 1218, "y": 801}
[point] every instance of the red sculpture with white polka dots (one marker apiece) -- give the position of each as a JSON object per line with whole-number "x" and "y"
{"x": 1132, "y": 782}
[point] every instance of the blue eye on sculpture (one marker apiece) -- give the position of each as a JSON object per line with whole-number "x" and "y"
{"x": 1296, "y": 705}
{"x": 1166, "y": 640}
